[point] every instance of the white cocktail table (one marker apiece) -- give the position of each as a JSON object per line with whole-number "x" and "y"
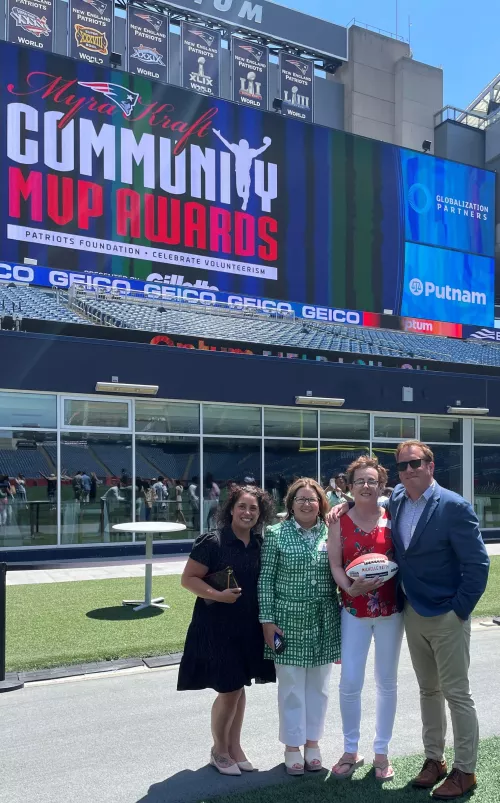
{"x": 149, "y": 529}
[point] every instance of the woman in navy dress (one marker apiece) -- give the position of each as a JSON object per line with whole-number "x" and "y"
{"x": 224, "y": 647}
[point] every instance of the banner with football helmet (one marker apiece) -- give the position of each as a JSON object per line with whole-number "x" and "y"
{"x": 91, "y": 30}
{"x": 147, "y": 44}
{"x": 31, "y": 23}
{"x": 249, "y": 73}
{"x": 200, "y": 59}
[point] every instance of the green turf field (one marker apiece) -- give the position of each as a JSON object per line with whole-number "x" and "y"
{"x": 54, "y": 624}
{"x": 365, "y": 789}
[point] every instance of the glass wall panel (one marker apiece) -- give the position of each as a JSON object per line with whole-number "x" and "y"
{"x": 448, "y": 468}
{"x": 447, "y": 472}
{"x": 28, "y": 410}
{"x": 334, "y": 424}
{"x": 487, "y": 485}
{"x": 441, "y": 430}
{"x": 28, "y": 488}
{"x": 286, "y": 461}
{"x": 159, "y": 416}
{"x": 385, "y": 454}
{"x": 335, "y": 457}
{"x": 486, "y": 430}
{"x": 167, "y": 482}
{"x": 398, "y": 427}
{"x": 84, "y": 413}
{"x": 226, "y": 460}
{"x": 96, "y": 486}
{"x": 224, "y": 419}
{"x": 285, "y": 422}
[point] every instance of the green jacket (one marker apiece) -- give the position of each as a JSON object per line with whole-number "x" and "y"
{"x": 297, "y": 592}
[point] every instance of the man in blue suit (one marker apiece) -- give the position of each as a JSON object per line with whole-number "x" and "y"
{"x": 443, "y": 571}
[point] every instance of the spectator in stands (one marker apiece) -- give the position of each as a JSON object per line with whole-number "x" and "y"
{"x": 21, "y": 495}
{"x": 125, "y": 478}
{"x": 224, "y": 647}
{"x": 194, "y": 501}
{"x": 77, "y": 486}
{"x": 211, "y": 497}
{"x": 86, "y": 486}
{"x": 51, "y": 487}
{"x": 5, "y": 499}
{"x": 94, "y": 482}
{"x": 371, "y": 609}
{"x": 179, "y": 490}
{"x": 337, "y": 490}
{"x": 298, "y": 602}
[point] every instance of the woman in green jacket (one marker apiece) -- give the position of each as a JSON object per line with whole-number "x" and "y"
{"x": 298, "y": 602}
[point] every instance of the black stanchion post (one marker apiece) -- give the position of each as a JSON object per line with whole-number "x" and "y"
{"x": 5, "y": 685}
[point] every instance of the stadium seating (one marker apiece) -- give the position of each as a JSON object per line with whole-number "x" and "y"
{"x": 28, "y": 302}
{"x": 23, "y": 461}
{"x": 159, "y": 317}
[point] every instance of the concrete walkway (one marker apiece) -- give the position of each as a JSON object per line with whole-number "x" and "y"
{"x": 132, "y": 738}
{"x": 173, "y": 565}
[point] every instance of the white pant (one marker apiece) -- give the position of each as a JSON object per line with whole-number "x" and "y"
{"x": 302, "y": 702}
{"x": 357, "y": 633}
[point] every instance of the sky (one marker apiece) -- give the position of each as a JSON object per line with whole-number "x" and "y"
{"x": 461, "y": 36}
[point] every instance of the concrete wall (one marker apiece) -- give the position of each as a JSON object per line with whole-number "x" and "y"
{"x": 389, "y": 96}
{"x": 460, "y": 142}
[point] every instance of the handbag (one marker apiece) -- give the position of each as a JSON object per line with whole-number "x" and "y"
{"x": 220, "y": 581}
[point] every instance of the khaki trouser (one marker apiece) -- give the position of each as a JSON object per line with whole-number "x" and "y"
{"x": 440, "y": 653}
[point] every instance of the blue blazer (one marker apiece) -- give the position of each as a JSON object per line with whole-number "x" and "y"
{"x": 446, "y": 564}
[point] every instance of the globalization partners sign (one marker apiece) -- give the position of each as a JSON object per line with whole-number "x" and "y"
{"x": 451, "y": 286}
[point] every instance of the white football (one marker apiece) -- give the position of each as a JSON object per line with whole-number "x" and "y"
{"x": 372, "y": 566}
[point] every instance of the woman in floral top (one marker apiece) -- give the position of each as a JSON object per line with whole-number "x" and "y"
{"x": 370, "y": 609}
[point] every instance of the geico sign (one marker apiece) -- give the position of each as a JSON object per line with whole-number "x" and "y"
{"x": 16, "y": 273}
{"x": 332, "y": 315}
{"x": 417, "y": 288}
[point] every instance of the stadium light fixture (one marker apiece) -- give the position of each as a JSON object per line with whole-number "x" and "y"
{"x": 115, "y": 60}
{"x": 319, "y": 401}
{"x": 121, "y": 387}
{"x": 468, "y": 410}
{"x": 277, "y": 104}
{"x": 426, "y": 145}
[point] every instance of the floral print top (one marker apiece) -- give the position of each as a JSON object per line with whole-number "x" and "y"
{"x": 355, "y": 542}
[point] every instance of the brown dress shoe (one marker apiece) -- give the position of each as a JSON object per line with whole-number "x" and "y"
{"x": 432, "y": 772}
{"x": 458, "y": 783}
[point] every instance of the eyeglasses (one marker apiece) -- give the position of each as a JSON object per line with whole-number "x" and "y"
{"x": 412, "y": 463}
{"x": 370, "y": 482}
{"x": 306, "y": 500}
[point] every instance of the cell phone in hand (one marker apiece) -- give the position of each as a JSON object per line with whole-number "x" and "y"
{"x": 279, "y": 644}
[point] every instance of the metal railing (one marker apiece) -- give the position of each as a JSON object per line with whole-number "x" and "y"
{"x": 374, "y": 28}
{"x": 473, "y": 119}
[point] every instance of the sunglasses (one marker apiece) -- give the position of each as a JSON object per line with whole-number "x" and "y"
{"x": 412, "y": 463}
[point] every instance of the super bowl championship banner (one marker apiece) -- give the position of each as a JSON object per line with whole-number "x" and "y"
{"x": 108, "y": 172}
{"x": 296, "y": 86}
{"x": 249, "y": 73}
{"x": 200, "y": 59}
{"x": 147, "y": 43}
{"x": 91, "y": 30}
{"x": 31, "y": 23}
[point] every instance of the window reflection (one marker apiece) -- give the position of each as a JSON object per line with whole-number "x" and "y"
{"x": 336, "y": 457}
{"x": 286, "y": 461}
{"x": 487, "y": 485}
{"x": 225, "y": 419}
{"x": 84, "y": 413}
{"x": 226, "y": 461}
{"x": 96, "y": 487}
{"x": 283, "y": 422}
{"x": 167, "y": 482}
{"x": 28, "y": 410}
{"x": 28, "y": 489}
{"x": 158, "y": 416}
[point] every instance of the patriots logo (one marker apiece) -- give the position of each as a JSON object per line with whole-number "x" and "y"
{"x": 207, "y": 37}
{"x": 120, "y": 95}
{"x": 255, "y": 52}
{"x": 303, "y": 68}
{"x": 153, "y": 21}
{"x": 99, "y": 6}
